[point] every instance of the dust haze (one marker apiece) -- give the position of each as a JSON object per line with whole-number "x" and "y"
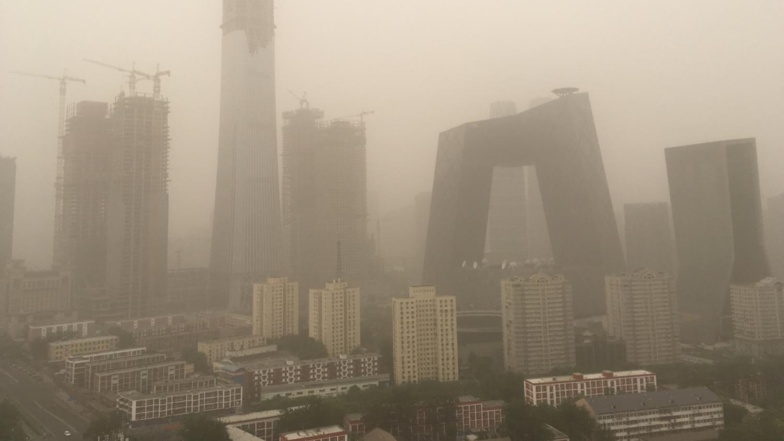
{"x": 659, "y": 74}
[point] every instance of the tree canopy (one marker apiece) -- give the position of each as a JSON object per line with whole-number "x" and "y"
{"x": 11, "y": 423}
{"x": 106, "y": 424}
{"x": 202, "y": 428}
{"x": 302, "y": 346}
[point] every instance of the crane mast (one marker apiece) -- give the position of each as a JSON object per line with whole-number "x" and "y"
{"x": 133, "y": 79}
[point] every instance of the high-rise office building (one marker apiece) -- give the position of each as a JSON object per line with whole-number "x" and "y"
{"x": 421, "y": 218}
{"x": 7, "y": 195}
{"x": 275, "y": 308}
{"x": 87, "y": 172}
{"x": 559, "y": 139}
{"x": 246, "y": 236}
{"x": 506, "y": 219}
{"x": 717, "y": 219}
{"x": 334, "y": 317}
{"x": 424, "y": 336}
{"x": 324, "y": 195}
{"x": 138, "y": 203}
{"x": 642, "y": 310}
{"x": 774, "y": 234}
{"x": 538, "y": 323}
{"x": 648, "y": 237}
{"x": 758, "y": 317}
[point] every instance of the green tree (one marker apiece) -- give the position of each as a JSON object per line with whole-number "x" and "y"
{"x": 202, "y": 428}
{"x": 10, "y": 423}
{"x": 198, "y": 359}
{"x": 733, "y": 414}
{"x": 574, "y": 421}
{"x": 302, "y": 346}
{"x": 523, "y": 422}
{"x": 105, "y": 424}
{"x": 126, "y": 338}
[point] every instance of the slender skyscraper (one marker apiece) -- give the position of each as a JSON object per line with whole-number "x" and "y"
{"x": 246, "y": 237}
{"x": 7, "y": 191}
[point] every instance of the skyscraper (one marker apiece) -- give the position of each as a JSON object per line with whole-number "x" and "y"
{"x": 275, "y": 308}
{"x": 138, "y": 203}
{"x": 87, "y": 172}
{"x": 758, "y": 317}
{"x": 559, "y": 139}
{"x": 642, "y": 310}
{"x": 424, "y": 336}
{"x": 538, "y": 323}
{"x": 246, "y": 237}
{"x": 7, "y": 195}
{"x": 334, "y": 317}
{"x": 717, "y": 219}
{"x": 324, "y": 195}
{"x": 648, "y": 237}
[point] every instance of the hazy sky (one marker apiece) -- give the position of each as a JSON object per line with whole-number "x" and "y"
{"x": 660, "y": 73}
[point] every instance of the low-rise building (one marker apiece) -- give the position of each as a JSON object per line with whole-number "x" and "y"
{"x": 261, "y": 424}
{"x": 555, "y": 390}
{"x": 75, "y": 365}
{"x": 140, "y": 378}
{"x": 79, "y": 329}
{"x": 60, "y": 350}
{"x": 632, "y": 416}
{"x": 194, "y": 382}
{"x": 217, "y": 349}
{"x": 92, "y": 368}
{"x": 144, "y": 407}
{"x": 330, "y": 433}
{"x": 322, "y": 388}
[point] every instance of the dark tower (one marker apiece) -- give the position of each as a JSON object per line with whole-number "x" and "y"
{"x": 717, "y": 218}
{"x": 559, "y": 139}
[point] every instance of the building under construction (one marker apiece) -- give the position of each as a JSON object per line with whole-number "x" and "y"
{"x": 324, "y": 196}
{"x": 138, "y": 203}
{"x": 87, "y": 165}
{"x": 7, "y": 192}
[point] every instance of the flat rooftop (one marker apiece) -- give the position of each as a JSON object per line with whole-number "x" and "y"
{"x": 611, "y": 404}
{"x": 83, "y": 340}
{"x": 134, "y": 395}
{"x": 311, "y": 433}
{"x": 248, "y": 417}
{"x": 596, "y": 376}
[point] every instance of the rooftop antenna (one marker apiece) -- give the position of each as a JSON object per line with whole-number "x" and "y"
{"x": 564, "y": 91}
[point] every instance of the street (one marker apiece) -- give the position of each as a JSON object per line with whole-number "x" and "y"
{"x": 36, "y": 398}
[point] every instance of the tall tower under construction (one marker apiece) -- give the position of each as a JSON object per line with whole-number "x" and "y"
{"x": 246, "y": 236}
{"x": 87, "y": 166}
{"x": 324, "y": 196}
{"x": 138, "y": 203}
{"x": 7, "y": 192}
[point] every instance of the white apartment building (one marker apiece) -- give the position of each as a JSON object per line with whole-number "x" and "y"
{"x": 555, "y": 390}
{"x": 142, "y": 407}
{"x": 538, "y": 323}
{"x": 334, "y": 317}
{"x": 76, "y": 366}
{"x": 275, "y": 308}
{"x": 217, "y": 349}
{"x": 633, "y": 416}
{"x": 642, "y": 309}
{"x": 758, "y": 317}
{"x": 424, "y": 336}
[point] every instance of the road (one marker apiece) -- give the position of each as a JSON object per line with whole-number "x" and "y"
{"x": 36, "y": 398}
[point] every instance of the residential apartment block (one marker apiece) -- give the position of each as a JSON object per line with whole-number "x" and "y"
{"x": 75, "y": 365}
{"x": 117, "y": 364}
{"x": 538, "y": 323}
{"x": 642, "y": 310}
{"x": 424, "y": 336}
{"x": 79, "y": 329}
{"x": 217, "y": 349}
{"x": 758, "y": 317}
{"x": 140, "y": 378}
{"x": 275, "y": 308}
{"x": 60, "y": 350}
{"x": 633, "y": 416}
{"x": 555, "y": 390}
{"x": 334, "y": 317}
{"x": 144, "y": 407}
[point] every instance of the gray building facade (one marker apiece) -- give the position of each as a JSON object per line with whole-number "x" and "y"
{"x": 559, "y": 139}
{"x": 7, "y": 196}
{"x": 717, "y": 219}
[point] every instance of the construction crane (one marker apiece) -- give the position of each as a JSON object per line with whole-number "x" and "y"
{"x": 133, "y": 79}
{"x": 64, "y": 79}
{"x": 303, "y": 100}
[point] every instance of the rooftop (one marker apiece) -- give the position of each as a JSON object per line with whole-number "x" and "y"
{"x": 134, "y": 395}
{"x": 310, "y": 433}
{"x": 609, "y": 404}
{"x": 83, "y": 340}
{"x": 582, "y": 377}
{"x": 236, "y": 434}
{"x": 238, "y": 419}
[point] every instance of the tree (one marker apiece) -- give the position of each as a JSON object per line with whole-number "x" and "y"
{"x": 201, "y": 428}
{"x": 302, "y": 346}
{"x": 198, "y": 359}
{"x": 10, "y": 423}
{"x": 126, "y": 338}
{"x": 104, "y": 425}
{"x": 733, "y": 414}
{"x": 523, "y": 423}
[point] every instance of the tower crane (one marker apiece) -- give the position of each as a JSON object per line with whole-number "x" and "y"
{"x": 58, "y": 213}
{"x": 303, "y": 100}
{"x": 133, "y": 75}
